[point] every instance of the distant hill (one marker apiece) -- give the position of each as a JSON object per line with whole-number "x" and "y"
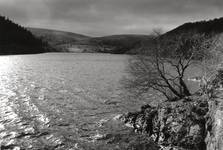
{"x": 123, "y": 44}
{"x": 119, "y": 44}
{"x": 212, "y": 29}
{"x": 214, "y": 26}
{"x": 15, "y": 39}
{"x": 72, "y": 42}
{"x": 60, "y": 40}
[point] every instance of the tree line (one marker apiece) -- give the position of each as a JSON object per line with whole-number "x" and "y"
{"x": 15, "y": 39}
{"x": 208, "y": 27}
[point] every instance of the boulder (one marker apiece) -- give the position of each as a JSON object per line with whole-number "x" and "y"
{"x": 178, "y": 124}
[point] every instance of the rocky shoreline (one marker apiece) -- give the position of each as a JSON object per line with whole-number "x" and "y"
{"x": 192, "y": 123}
{"x": 173, "y": 124}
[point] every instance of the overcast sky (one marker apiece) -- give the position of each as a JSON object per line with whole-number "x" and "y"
{"x": 105, "y": 17}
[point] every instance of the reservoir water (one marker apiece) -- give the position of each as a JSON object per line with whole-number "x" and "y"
{"x": 63, "y": 101}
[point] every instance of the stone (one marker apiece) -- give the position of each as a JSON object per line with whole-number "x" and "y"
{"x": 173, "y": 124}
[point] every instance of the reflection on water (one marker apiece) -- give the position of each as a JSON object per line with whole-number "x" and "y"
{"x": 62, "y": 101}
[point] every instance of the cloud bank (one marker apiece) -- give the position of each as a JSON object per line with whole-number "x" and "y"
{"x": 105, "y": 17}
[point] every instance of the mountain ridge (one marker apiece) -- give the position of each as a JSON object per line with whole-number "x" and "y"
{"x": 71, "y": 42}
{"x": 124, "y": 43}
{"x": 211, "y": 26}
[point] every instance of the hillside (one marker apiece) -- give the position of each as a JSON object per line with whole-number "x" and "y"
{"x": 214, "y": 26}
{"x": 211, "y": 29}
{"x": 15, "y": 39}
{"x": 119, "y": 44}
{"x": 60, "y": 40}
{"x": 72, "y": 42}
{"x": 122, "y": 44}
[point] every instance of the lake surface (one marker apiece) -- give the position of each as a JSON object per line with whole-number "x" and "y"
{"x": 63, "y": 101}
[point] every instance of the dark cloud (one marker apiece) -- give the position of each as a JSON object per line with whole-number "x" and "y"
{"x": 103, "y": 17}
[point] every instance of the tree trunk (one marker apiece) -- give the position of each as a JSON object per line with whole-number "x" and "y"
{"x": 186, "y": 91}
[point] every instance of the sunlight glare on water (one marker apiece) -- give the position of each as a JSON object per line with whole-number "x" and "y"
{"x": 62, "y": 101}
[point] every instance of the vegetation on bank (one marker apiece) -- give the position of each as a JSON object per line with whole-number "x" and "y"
{"x": 191, "y": 123}
{"x": 15, "y": 39}
{"x": 166, "y": 73}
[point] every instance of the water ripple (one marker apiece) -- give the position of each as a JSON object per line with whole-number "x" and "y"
{"x": 60, "y": 101}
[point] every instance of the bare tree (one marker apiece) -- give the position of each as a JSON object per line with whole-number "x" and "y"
{"x": 165, "y": 72}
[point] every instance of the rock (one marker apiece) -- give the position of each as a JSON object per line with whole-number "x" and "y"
{"x": 192, "y": 123}
{"x": 214, "y": 125}
{"x": 173, "y": 124}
